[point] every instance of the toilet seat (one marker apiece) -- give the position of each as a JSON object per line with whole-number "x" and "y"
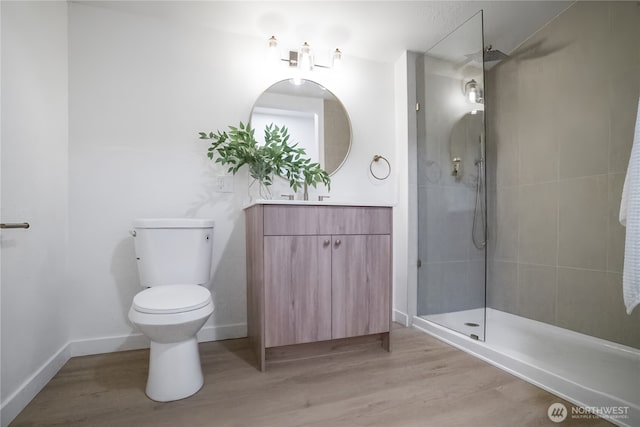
{"x": 171, "y": 299}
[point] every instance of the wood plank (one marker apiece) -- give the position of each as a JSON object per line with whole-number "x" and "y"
{"x": 378, "y": 268}
{"x": 350, "y": 301}
{"x": 297, "y": 289}
{"x": 423, "y": 382}
{"x": 254, "y": 220}
{"x": 291, "y": 220}
{"x": 355, "y": 219}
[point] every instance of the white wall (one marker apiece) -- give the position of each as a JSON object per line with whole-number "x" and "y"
{"x": 405, "y": 243}
{"x": 101, "y": 108}
{"x": 141, "y": 88}
{"x": 34, "y": 189}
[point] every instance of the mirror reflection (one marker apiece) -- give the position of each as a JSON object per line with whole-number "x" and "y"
{"x": 315, "y": 117}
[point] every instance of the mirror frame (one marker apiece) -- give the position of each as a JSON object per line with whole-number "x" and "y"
{"x": 290, "y": 80}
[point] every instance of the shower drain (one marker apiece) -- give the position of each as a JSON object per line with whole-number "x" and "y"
{"x": 474, "y": 325}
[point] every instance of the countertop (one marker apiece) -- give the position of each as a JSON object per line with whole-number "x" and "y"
{"x": 316, "y": 203}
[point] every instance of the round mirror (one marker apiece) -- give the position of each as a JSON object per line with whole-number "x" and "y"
{"x": 316, "y": 119}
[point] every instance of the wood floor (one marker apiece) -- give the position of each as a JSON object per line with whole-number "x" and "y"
{"x": 422, "y": 382}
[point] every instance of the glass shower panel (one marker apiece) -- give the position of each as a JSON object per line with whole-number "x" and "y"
{"x": 451, "y": 182}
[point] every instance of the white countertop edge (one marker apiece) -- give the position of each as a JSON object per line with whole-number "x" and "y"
{"x": 318, "y": 203}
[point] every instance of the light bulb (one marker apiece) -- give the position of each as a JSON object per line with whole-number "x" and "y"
{"x": 305, "y": 59}
{"x": 472, "y": 91}
{"x": 472, "y": 95}
{"x": 337, "y": 59}
{"x": 274, "y": 54}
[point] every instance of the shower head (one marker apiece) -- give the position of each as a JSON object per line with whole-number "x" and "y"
{"x": 491, "y": 55}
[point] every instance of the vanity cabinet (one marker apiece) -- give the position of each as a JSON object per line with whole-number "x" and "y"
{"x": 317, "y": 274}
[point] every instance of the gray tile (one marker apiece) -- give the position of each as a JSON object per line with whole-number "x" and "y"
{"x": 624, "y": 87}
{"x": 624, "y": 43}
{"x": 537, "y": 292}
{"x": 475, "y": 293}
{"x": 584, "y": 301}
{"x": 616, "y": 232}
{"x": 447, "y": 223}
{"x": 507, "y": 163}
{"x": 583, "y": 216}
{"x": 583, "y": 127}
{"x": 590, "y": 302}
{"x": 504, "y": 230}
{"x": 623, "y": 325}
{"x": 537, "y": 235}
{"x": 502, "y": 286}
{"x": 507, "y": 75}
{"x": 446, "y": 287}
{"x": 502, "y": 120}
{"x": 491, "y": 148}
{"x": 584, "y": 31}
{"x": 536, "y": 136}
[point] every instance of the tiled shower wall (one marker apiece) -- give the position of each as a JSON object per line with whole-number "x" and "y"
{"x": 561, "y": 116}
{"x": 452, "y": 274}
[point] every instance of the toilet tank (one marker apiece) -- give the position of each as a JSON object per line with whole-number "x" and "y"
{"x": 173, "y": 251}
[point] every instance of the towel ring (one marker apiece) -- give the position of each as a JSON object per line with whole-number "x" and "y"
{"x": 376, "y": 158}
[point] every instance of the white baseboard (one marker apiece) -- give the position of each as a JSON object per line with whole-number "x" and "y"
{"x": 224, "y": 332}
{"x": 18, "y": 400}
{"x": 400, "y": 317}
{"x": 113, "y": 344}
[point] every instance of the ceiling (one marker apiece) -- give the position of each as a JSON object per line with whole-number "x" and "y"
{"x": 373, "y": 30}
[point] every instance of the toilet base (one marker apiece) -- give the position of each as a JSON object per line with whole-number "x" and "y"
{"x": 174, "y": 370}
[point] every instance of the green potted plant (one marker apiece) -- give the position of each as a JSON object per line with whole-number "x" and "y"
{"x": 276, "y": 157}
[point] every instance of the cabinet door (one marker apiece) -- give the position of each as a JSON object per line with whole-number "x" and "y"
{"x": 297, "y": 289}
{"x": 361, "y": 285}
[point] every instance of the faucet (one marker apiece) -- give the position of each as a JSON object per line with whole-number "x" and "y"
{"x": 305, "y": 196}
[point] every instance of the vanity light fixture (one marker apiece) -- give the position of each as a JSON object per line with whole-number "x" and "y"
{"x": 473, "y": 92}
{"x": 302, "y": 58}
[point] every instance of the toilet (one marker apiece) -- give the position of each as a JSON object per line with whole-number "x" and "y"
{"x": 174, "y": 264}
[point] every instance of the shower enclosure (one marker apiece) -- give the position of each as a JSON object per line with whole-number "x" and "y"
{"x": 521, "y": 161}
{"x": 451, "y": 183}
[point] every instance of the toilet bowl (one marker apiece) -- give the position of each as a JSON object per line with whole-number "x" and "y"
{"x": 174, "y": 258}
{"x": 170, "y": 316}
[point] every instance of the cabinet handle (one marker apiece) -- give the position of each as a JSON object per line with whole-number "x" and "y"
{"x": 338, "y": 242}
{"x": 15, "y": 225}
{"x": 327, "y": 242}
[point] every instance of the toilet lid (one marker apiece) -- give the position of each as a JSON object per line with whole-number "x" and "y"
{"x": 171, "y": 299}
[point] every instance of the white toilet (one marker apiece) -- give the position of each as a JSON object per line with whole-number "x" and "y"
{"x": 174, "y": 263}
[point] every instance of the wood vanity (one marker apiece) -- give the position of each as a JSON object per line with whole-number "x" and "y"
{"x": 318, "y": 277}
